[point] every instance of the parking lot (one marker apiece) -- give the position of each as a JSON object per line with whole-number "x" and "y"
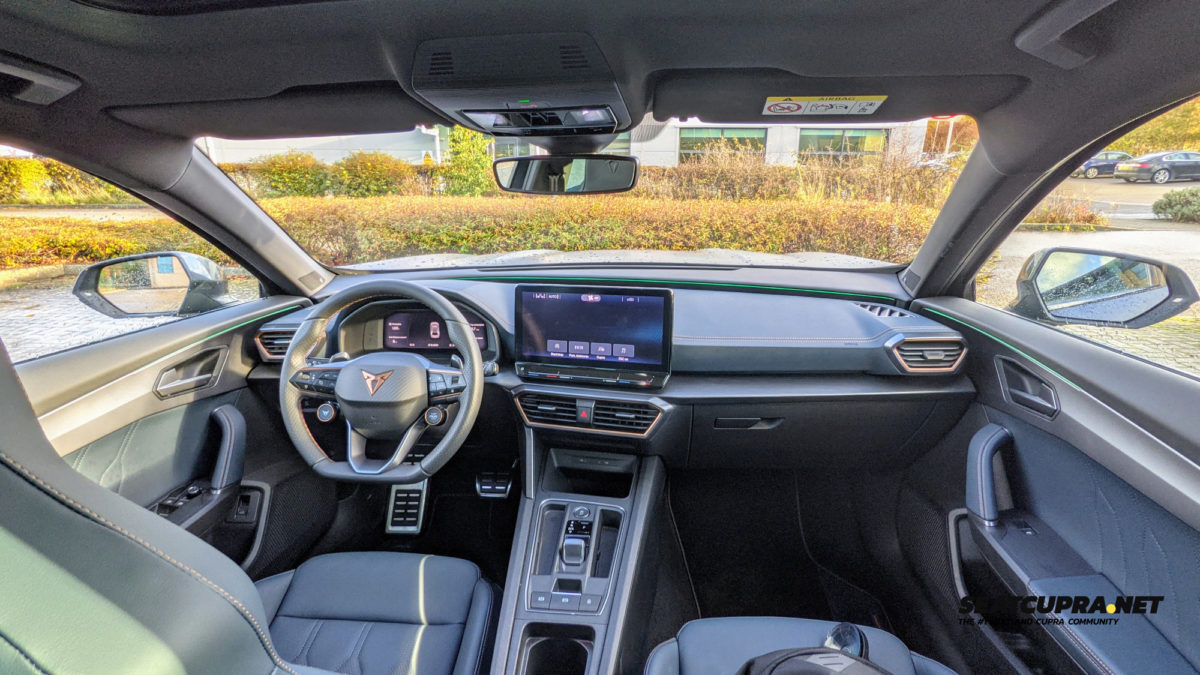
{"x": 1119, "y": 200}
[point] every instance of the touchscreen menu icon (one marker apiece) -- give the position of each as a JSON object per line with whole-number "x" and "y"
{"x": 623, "y": 351}
{"x": 579, "y": 347}
{"x": 556, "y": 346}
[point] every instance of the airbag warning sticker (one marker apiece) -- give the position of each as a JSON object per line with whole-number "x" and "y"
{"x": 822, "y": 105}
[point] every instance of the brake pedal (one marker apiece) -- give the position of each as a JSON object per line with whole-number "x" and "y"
{"x": 406, "y": 509}
{"x": 493, "y": 484}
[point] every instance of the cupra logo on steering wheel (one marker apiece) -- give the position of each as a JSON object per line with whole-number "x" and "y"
{"x": 375, "y": 380}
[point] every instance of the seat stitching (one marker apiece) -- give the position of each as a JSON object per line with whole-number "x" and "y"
{"x": 394, "y": 623}
{"x": 80, "y": 508}
{"x": 488, "y": 620}
{"x": 24, "y": 656}
{"x": 362, "y": 633}
{"x": 312, "y": 639}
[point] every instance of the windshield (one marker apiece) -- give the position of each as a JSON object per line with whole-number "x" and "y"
{"x": 804, "y": 195}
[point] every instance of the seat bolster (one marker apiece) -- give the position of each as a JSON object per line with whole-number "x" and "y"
{"x": 474, "y": 654}
{"x": 272, "y": 589}
{"x": 664, "y": 660}
{"x": 923, "y": 665}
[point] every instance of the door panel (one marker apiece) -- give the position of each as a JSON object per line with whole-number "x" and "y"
{"x": 146, "y": 459}
{"x": 1098, "y": 486}
{"x": 84, "y": 394}
{"x": 158, "y": 415}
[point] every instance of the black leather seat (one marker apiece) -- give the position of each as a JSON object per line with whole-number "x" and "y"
{"x": 93, "y": 583}
{"x": 381, "y": 613}
{"x": 721, "y": 646}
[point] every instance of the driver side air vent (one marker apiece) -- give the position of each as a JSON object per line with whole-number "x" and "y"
{"x": 930, "y": 356}
{"x": 548, "y": 409}
{"x": 273, "y": 344}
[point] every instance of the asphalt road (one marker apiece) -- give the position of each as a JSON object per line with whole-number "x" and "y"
{"x": 1118, "y": 199}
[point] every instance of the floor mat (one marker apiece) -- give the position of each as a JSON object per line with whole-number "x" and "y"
{"x": 741, "y": 537}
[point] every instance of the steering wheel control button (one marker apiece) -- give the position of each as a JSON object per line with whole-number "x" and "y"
{"x": 539, "y": 600}
{"x": 434, "y": 416}
{"x": 326, "y": 412}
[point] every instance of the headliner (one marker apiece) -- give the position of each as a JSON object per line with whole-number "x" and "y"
{"x": 339, "y": 67}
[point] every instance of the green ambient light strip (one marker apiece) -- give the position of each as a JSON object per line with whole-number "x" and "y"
{"x": 684, "y": 283}
{"x": 1006, "y": 344}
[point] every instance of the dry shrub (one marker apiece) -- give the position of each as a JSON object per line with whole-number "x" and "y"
{"x": 26, "y": 242}
{"x": 1063, "y": 210}
{"x": 729, "y": 170}
{"x": 342, "y": 231}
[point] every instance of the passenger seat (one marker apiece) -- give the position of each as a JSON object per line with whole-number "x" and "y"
{"x": 722, "y": 646}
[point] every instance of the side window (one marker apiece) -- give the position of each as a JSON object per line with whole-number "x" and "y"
{"x": 1115, "y": 259}
{"x": 83, "y": 261}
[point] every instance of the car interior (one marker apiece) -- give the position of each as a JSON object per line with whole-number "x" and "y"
{"x": 589, "y": 468}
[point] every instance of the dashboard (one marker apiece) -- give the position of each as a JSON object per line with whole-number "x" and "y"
{"x": 699, "y": 376}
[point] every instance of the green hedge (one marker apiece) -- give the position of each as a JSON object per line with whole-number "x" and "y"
{"x": 1179, "y": 205}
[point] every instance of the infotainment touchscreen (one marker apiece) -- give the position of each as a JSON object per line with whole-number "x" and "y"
{"x": 618, "y": 328}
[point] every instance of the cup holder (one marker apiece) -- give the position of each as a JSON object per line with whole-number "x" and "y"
{"x": 554, "y": 649}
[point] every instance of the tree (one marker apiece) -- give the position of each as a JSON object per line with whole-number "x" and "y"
{"x": 1178, "y": 129}
{"x": 469, "y": 171}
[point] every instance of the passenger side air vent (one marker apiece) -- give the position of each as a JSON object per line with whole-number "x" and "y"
{"x": 273, "y": 344}
{"x": 548, "y": 409}
{"x": 883, "y": 311}
{"x": 441, "y": 64}
{"x": 930, "y": 356}
{"x": 572, "y": 57}
{"x": 635, "y": 418}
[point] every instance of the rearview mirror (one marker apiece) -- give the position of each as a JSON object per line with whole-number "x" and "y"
{"x": 153, "y": 284}
{"x": 1072, "y": 286}
{"x": 566, "y": 174}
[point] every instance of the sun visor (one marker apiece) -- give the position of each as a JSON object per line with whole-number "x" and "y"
{"x": 375, "y": 107}
{"x": 740, "y": 96}
{"x": 534, "y": 85}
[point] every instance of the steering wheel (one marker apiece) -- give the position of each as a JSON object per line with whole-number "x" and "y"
{"x": 383, "y": 395}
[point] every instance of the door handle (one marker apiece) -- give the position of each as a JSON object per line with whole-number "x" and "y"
{"x": 1027, "y": 390}
{"x": 196, "y": 372}
{"x": 231, "y": 457}
{"x": 981, "y": 481}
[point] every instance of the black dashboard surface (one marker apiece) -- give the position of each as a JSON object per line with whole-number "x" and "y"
{"x": 719, "y": 331}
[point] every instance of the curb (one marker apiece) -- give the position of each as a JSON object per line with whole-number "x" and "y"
{"x": 17, "y": 277}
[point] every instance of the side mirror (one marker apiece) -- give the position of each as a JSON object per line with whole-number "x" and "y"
{"x": 171, "y": 283}
{"x": 1098, "y": 288}
{"x": 566, "y": 174}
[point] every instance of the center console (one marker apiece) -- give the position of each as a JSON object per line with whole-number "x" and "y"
{"x": 576, "y": 594}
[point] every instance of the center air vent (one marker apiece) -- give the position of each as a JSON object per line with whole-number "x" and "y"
{"x": 883, "y": 311}
{"x": 629, "y": 418}
{"x": 930, "y": 356}
{"x": 634, "y": 418}
{"x": 273, "y": 344}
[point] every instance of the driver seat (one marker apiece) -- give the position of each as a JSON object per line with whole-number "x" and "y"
{"x": 93, "y": 583}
